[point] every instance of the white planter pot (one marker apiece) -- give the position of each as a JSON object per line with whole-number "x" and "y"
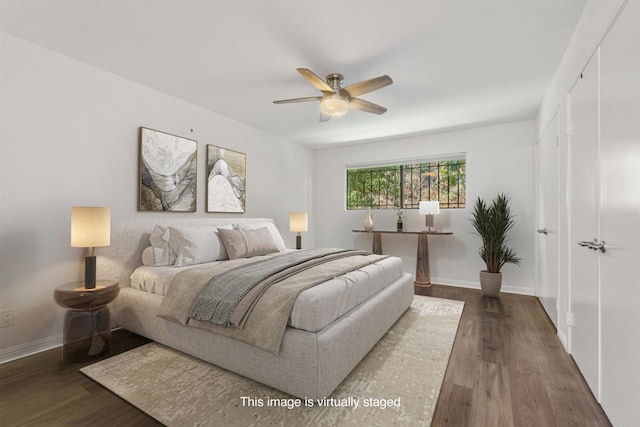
{"x": 490, "y": 283}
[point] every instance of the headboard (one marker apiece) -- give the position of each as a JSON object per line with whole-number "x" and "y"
{"x": 130, "y": 236}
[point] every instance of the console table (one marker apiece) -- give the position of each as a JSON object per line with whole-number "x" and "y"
{"x": 423, "y": 277}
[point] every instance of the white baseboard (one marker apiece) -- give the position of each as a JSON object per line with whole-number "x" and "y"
{"x": 33, "y": 347}
{"x": 26, "y": 349}
{"x": 563, "y": 340}
{"x": 476, "y": 285}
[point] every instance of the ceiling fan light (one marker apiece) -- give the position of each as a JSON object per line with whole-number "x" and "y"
{"x": 334, "y": 106}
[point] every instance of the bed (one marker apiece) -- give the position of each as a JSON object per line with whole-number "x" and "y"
{"x": 332, "y": 326}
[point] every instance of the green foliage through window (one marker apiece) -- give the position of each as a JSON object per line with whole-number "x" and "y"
{"x": 403, "y": 186}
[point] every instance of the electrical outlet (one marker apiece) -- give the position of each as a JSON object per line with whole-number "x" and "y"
{"x": 571, "y": 320}
{"x": 7, "y": 318}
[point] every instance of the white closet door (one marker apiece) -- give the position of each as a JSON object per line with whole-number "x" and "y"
{"x": 620, "y": 218}
{"x": 547, "y": 219}
{"x": 584, "y": 285}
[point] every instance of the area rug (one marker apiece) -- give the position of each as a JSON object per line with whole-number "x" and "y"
{"x": 398, "y": 381}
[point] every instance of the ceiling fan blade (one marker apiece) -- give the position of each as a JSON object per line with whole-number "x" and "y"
{"x": 316, "y": 81}
{"x": 367, "y": 86}
{"x": 369, "y": 107}
{"x": 324, "y": 117}
{"x": 307, "y": 99}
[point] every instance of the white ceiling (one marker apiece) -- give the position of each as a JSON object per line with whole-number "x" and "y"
{"x": 454, "y": 63}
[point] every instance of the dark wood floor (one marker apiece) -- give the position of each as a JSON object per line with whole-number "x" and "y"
{"x": 41, "y": 390}
{"x": 507, "y": 368}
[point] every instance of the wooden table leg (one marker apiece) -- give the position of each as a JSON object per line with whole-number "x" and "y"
{"x": 377, "y": 243}
{"x": 87, "y": 334}
{"x": 423, "y": 277}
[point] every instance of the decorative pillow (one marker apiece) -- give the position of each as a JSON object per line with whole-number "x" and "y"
{"x": 195, "y": 245}
{"x": 275, "y": 234}
{"x": 148, "y": 256}
{"x": 155, "y": 257}
{"x": 248, "y": 243}
{"x": 223, "y": 251}
{"x": 162, "y": 252}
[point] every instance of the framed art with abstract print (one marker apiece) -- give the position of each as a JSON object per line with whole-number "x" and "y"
{"x": 226, "y": 178}
{"x": 168, "y": 172}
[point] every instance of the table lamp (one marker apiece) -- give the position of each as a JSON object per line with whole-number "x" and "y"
{"x": 90, "y": 228}
{"x": 298, "y": 223}
{"x": 429, "y": 208}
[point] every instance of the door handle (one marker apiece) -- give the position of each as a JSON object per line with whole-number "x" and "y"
{"x": 598, "y": 246}
{"x": 543, "y": 231}
{"x": 595, "y": 245}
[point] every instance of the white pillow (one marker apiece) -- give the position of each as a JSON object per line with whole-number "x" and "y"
{"x": 148, "y": 256}
{"x": 277, "y": 238}
{"x": 154, "y": 257}
{"x": 196, "y": 245}
{"x": 162, "y": 252}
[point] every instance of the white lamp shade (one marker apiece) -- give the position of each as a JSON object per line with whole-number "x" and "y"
{"x": 90, "y": 227}
{"x": 298, "y": 221}
{"x": 431, "y": 207}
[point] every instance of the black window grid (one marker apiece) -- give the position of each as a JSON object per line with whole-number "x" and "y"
{"x": 404, "y": 186}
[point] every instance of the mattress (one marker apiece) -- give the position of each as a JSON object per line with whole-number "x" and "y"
{"x": 316, "y": 307}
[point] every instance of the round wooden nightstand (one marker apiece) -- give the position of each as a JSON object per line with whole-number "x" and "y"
{"x": 87, "y": 323}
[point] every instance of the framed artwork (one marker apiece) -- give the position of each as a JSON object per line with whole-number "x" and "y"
{"x": 168, "y": 172}
{"x": 226, "y": 178}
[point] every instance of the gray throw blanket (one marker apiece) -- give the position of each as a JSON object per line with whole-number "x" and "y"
{"x": 218, "y": 300}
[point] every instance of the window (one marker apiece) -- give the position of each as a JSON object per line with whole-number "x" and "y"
{"x": 404, "y": 185}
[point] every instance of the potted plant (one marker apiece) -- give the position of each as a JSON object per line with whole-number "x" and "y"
{"x": 492, "y": 223}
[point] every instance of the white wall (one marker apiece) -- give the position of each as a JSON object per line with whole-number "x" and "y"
{"x": 499, "y": 159}
{"x": 594, "y": 23}
{"x": 69, "y": 137}
{"x": 596, "y": 18}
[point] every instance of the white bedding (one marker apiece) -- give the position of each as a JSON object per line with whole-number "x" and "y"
{"x": 157, "y": 280}
{"x": 321, "y": 305}
{"x": 316, "y": 307}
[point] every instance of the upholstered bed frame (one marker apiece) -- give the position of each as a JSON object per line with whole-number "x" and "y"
{"x": 309, "y": 365}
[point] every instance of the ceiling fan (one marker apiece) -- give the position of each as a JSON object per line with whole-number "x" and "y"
{"x": 336, "y": 100}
